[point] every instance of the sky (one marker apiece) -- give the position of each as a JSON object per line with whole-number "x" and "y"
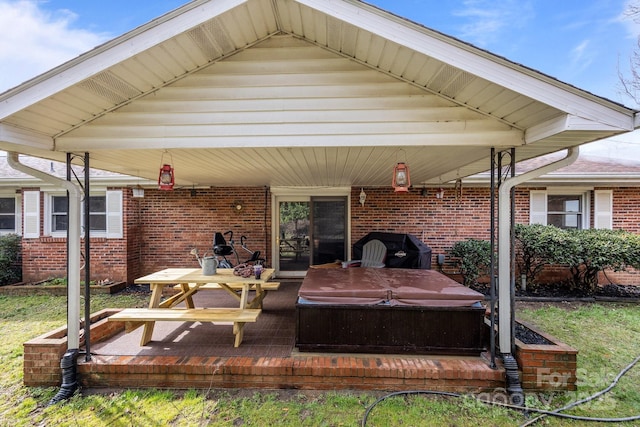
{"x": 584, "y": 43}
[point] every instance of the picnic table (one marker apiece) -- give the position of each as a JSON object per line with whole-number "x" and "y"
{"x": 189, "y": 281}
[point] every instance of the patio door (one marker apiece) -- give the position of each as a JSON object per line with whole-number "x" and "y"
{"x": 309, "y": 230}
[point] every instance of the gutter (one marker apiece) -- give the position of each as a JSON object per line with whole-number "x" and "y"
{"x": 505, "y": 285}
{"x": 68, "y": 362}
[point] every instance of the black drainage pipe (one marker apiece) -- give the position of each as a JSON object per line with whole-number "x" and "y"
{"x": 69, "y": 365}
{"x": 514, "y": 388}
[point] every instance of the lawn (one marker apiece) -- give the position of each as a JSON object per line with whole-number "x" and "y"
{"x": 607, "y": 337}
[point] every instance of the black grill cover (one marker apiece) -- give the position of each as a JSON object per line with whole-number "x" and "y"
{"x": 403, "y": 250}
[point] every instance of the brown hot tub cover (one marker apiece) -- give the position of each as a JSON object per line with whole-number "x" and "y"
{"x": 394, "y": 287}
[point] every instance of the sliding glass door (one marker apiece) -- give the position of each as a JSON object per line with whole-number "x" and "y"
{"x": 309, "y": 230}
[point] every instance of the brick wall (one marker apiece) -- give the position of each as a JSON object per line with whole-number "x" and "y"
{"x": 161, "y": 228}
{"x": 625, "y": 207}
{"x": 173, "y": 222}
{"x": 46, "y": 256}
{"x": 437, "y": 222}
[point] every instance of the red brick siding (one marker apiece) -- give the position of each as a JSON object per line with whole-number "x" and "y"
{"x": 173, "y": 222}
{"x": 161, "y": 228}
{"x": 626, "y": 215}
{"x": 437, "y": 222}
{"x": 46, "y": 257}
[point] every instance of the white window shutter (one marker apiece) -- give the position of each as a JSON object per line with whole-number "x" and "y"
{"x": 538, "y": 207}
{"x": 31, "y": 214}
{"x": 603, "y": 209}
{"x": 18, "y": 214}
{"x": 114, "y": 214}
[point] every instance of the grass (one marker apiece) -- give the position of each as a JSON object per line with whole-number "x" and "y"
{"x": 607, "y": 337}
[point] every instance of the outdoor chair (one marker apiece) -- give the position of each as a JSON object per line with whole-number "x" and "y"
{"x": 373, "y": 254}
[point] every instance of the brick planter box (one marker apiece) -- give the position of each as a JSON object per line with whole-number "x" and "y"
{"x": 549, "y": 367}
{"x": 42, "y": 355}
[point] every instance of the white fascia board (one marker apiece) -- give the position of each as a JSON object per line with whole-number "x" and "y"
{"x": 12, "y": 137}
{"x": 590, "y": 179}
{"x": 112, "y": 53}
{"x": 545, "y": 130}
{"x": 563, "y": 124}
{"x": 477, "y": 62}
{"x": 574, "y": 181}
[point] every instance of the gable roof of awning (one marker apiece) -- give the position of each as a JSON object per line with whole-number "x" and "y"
{"x": 297, "y": 93}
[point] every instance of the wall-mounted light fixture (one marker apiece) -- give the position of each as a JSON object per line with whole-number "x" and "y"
{"x": 238, "y": 206}
{"x": 166, "y": 179}
{"x": 138, "y": 191}
{"x": 363, "y": 197}
{"x": 440, "y": 193}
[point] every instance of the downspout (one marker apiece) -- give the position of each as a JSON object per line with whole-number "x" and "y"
{"x": 505, "y": 285}
{"x": 68, "y": 362}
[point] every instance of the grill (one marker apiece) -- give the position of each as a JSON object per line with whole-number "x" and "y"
{"x": 403, "y": 250}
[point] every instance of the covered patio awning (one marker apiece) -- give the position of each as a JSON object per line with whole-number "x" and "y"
{"x": 297, "y": 93}
{"x": 306, "y": 93}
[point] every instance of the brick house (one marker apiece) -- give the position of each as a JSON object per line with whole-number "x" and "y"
{"x": 263, "y": 108}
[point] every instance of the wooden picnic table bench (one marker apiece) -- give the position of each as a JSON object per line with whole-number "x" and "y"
{"x": 136, "y": 317}
{"x": 189, "y": 281}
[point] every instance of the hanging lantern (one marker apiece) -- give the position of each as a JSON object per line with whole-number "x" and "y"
{"x": 166, "y": 179}
{"x": 401, "y": 180}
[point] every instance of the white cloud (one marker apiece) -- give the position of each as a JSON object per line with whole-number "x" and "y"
{"x": 631, "y": 21}
{"x": 487, "y": 19}
{"x": 38, "y": 40}
{"x": 581, "y": 55}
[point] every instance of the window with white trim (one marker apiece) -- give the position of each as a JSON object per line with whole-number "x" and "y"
{"x": 9, "y": 214}
{"x": 570, "y": 208}
{"x": 565, "y": 211}
{"x": 59, "y": 217}
{"x": 105, "y": 214}
{"x": 97, "y": 214}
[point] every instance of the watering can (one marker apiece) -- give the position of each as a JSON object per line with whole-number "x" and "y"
{"x": 209, "y": 264}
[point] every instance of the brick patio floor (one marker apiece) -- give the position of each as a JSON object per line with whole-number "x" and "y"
{"x": 195, "y": 355}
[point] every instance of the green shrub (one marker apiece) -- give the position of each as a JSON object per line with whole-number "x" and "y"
{"x": 584, "y": 252}
{"x": 10, "y": 259}
{"x": 473, "y": 258}
{"x": 537, "y": 246}
{"x": 591, "y": 251}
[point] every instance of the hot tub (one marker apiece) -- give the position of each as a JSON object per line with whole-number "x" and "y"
{"x": 373, "y": 310}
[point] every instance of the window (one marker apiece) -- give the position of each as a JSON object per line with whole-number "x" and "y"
{"x": 105, "y": 214}
{"x": 7, "y": 215}
{"x": 97, "y": 213}
{"x": 565, "y": 211}
{"x": 570, "y": 209}
{"x": 59, "y": 221}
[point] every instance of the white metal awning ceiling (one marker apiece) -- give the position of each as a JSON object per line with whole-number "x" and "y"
{"x": 296, "y": 93}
